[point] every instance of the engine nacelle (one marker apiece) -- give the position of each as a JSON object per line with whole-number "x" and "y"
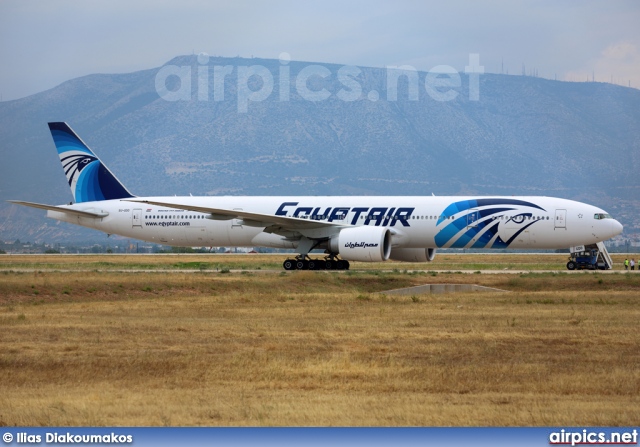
{"x": 364, "y": 243}
{"x": 413, "y": 254}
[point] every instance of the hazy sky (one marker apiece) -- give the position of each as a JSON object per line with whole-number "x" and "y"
{"x": 46, "y": 42}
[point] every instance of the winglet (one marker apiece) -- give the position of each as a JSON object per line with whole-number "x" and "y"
{"x": 90, "y": 180}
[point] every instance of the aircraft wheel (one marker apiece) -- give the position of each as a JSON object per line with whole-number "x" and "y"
{"x": 340, "y": 265}
{"x": 312, "y": 265}
{"x": 301, "y": 265}
{"x": 329, "y": 265}
{"x": 288, "y": 264}
{"x": 346, "y": 265}
{"x": 571, "y": 265}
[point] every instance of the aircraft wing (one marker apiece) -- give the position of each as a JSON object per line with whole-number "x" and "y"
{"x": 272, "y": 224}
{"x": 62, "y": 209}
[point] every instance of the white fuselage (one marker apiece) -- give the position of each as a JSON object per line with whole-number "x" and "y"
{"x": 417, "y": 221}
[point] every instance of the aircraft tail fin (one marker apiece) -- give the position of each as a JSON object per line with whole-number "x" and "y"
{"x": 90, "y": 180}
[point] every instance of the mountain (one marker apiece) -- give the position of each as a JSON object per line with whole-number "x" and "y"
{"x": 524, "y": 135}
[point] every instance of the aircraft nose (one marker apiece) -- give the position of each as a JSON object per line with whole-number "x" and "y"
{"x": 616, "y": 227}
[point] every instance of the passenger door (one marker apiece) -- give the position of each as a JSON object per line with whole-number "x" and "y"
{"x": 472, "y": 218}
{"x": 561, "y": 219}
{"x": 237, "y": 223}
{"x": 136, "y": 218}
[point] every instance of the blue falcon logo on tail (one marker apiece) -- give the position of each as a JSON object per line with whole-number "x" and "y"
{"x": 90, "y": 180}
{"x": 74, "y": 163}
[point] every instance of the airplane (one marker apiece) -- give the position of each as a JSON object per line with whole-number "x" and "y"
{"x": 347, "y": 228}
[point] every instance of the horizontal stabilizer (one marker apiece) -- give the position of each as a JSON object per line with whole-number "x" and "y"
{"x": 61, "y": 209}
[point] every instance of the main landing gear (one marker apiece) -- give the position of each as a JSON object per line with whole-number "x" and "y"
{"x": 305, "y": 263}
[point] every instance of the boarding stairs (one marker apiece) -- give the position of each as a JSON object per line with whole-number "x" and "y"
{"x": 603, "y": 256}
{"x": 603, "y": 261}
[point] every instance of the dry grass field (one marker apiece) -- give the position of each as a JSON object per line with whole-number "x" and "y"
{"x": 87, "y": 341}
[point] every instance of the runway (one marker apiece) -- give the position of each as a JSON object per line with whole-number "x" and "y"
{"x": 276, "y": 271}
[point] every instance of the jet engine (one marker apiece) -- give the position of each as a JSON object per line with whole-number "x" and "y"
{"x": 364, "y": 243}
{"x": 413, "y": 254}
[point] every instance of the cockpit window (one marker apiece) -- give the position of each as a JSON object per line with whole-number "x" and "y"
{"x": 602, "y": 216}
